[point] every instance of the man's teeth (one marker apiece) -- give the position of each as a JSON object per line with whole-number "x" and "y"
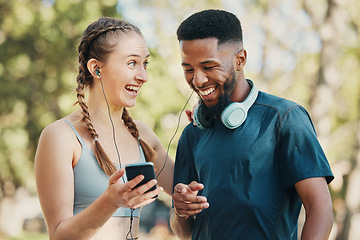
{"x": 133, "y": 88}
{"x": 207, "y": 92}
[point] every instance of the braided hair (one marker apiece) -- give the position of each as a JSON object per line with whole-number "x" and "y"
{"x": 95, "y": 43}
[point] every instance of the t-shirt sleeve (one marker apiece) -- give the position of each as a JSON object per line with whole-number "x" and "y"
{"x": 300, "y": 152}
{"x": 185, "y": 171}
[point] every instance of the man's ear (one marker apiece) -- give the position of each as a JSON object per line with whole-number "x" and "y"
{"x": 92, "y": 65}
{"x": 241, "y": 57}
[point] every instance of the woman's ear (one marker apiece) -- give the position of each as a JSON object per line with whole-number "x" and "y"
{"x": 241, "y": 59}
{"x": 93, "y": 67}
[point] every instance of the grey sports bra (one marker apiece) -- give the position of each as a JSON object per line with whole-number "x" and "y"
{"x": 90, "y": 181}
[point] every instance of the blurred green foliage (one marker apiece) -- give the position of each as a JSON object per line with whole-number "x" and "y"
{"x": 30, "y": 236}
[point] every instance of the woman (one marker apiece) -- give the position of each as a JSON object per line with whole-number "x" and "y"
{"x": 80, "y": 159}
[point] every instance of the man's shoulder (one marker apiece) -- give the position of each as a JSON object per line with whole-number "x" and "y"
{"x": 189, "y": 130}
{"x": 278, "y": 104}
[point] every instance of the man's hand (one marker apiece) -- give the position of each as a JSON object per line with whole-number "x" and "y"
{"x": 186, "y": 201}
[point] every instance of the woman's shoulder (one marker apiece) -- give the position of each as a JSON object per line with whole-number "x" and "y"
{"x": 60, "y": 130}
{"x": 142, "y": 126}
{"x": 144, "y": 130}
{"x": 57, "y": 141}
{"x": 147, "y": 134}
{"x": 56, "y": 128}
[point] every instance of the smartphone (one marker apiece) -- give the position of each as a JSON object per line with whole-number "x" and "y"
{"x": 136, "y": 169}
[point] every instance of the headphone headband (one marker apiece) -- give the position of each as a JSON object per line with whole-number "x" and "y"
{"x": 235, "y": 114}
{"x": 251, "y": 98}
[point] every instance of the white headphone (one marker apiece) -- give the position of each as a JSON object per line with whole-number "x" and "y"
{"x": 233, "y": 115}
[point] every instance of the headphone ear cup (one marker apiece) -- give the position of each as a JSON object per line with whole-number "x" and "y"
{"x": 200, "y": 120}
{"x": 233, "y": 115}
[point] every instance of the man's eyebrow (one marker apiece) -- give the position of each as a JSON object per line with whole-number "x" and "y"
{"x": 202, "y": 63}
{"x": 209, "y": 61}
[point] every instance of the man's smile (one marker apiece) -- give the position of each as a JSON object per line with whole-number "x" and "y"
{"x": 207, "y": 91}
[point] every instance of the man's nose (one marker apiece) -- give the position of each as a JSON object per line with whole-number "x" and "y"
{"x": 199, "y": 78}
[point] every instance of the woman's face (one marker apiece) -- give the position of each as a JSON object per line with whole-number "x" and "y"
{"x": 124, "y": 71}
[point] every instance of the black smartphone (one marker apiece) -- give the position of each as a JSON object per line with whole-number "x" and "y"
{"x": 136, "y": 169}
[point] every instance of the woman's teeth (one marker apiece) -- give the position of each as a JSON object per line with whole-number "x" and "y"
{"x": 132, "y": 88}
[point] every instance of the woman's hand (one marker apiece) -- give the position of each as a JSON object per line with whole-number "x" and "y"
{"x": 123, "y": 195}
{"x": 190, "y": 114}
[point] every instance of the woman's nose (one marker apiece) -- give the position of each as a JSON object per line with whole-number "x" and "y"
{"x": 142, "y": 75}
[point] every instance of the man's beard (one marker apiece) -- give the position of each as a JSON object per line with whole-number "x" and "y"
{"x": 223, "y": 101}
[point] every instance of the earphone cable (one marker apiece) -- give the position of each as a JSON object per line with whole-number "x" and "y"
{"x": 130, "y": 230}
{"x": 112, "y": 125}
{"x": 177, "y": 128}
{"x": 118, "y": 154}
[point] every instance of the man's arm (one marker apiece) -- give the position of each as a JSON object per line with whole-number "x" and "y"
{"x": 181, "y": 226}
{"x": 315, "y": 196}
{"x": 186, "y": 205}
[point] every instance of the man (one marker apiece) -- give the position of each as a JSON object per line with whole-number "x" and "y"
{"x": 253, "y": 159}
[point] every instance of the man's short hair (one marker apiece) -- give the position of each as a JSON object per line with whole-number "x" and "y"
{"x": 224, "y": 26}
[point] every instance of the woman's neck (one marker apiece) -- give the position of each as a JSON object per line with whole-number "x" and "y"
{"x": 99, "y": 109}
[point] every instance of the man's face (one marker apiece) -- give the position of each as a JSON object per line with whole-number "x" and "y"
{"x": 209, "y": 70}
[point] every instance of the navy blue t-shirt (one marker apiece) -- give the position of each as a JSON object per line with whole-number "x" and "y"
{"x": 249, "y": 172}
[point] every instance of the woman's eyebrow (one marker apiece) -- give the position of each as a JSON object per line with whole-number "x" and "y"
{"x": 137, "y": 55}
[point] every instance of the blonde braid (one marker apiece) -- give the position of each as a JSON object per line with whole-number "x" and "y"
{"x": 102, "y": 158}
{"x": 130, "y": 124}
